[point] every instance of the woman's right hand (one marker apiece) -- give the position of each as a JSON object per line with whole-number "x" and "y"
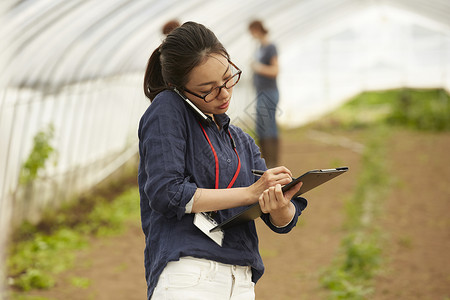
{"x": 279, "y": 175}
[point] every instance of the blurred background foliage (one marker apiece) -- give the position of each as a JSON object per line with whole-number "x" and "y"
{"x": 39, "y": 252}
{"x": 417, "y": 109}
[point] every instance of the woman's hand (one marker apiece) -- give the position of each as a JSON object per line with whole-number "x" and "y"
{"x": 272, "y": 201}
{"x": 279, "y": 175}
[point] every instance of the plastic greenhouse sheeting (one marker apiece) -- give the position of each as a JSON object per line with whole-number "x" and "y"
{"x": 77, "y": 66}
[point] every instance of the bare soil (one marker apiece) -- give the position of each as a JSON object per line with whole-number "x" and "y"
{"x": 414, "y": 222}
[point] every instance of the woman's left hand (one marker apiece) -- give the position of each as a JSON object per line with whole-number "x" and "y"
{"x": 272, "y": 201}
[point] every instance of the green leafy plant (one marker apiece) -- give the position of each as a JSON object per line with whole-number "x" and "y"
{"x": 46, "y": 250}
{"x": 39, "y": 155}
{"x": 417, "y": 109}
{"x": 422, "y": 109}
{"x": 80, "y": 282}
{"x": 359, "y": 259}
{"x": 34, "y": 262}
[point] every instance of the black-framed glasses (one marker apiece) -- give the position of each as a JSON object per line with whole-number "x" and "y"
{"x": 228, "y": 84}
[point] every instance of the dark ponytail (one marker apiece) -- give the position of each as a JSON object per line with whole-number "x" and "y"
{"x": 182, "y": 50}
{"x": 153, "y": 79}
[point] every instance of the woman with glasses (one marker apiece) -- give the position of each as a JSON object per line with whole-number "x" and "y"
{"x": 196, "y": 171}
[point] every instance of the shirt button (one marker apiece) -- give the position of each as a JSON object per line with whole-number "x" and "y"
{"x": 228, "y": 160}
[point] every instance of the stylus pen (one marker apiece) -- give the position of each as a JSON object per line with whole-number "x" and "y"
{"x": 258, "y": 172}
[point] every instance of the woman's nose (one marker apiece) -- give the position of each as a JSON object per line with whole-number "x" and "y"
{"x": 223, "y": 93}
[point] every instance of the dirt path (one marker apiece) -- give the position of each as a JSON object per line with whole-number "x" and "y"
{"x": 416, "y": 222}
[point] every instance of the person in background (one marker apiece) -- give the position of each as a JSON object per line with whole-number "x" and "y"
{"x": 196, "y": 167}
{"x": 265, "y": 69}
{"x": 169, "y": 26}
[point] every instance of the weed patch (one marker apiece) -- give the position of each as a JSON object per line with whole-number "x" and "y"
{"x": 416, "y": 109}
{"x": 359, "y": 258}
{"x": 39, "y": 255}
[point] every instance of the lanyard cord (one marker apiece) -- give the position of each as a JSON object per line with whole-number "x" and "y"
{"x": 216, "y": 159}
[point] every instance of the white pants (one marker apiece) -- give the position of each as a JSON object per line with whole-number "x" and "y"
{"x": 198, "y": 279}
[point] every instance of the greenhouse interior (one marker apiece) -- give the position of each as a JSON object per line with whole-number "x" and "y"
{"x": 72, "y": 74}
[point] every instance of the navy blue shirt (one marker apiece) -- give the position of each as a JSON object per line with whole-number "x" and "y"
{"x": 175, "y": 160}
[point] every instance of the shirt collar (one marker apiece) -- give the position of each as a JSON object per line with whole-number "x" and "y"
{"x": 223, "y": 120}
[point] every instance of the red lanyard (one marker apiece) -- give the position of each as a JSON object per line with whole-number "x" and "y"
{"x": 216, "y": 185}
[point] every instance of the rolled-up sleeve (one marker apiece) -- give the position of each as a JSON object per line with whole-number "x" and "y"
{"x": 300, "y": 204}
{"x": 162, "y": 149}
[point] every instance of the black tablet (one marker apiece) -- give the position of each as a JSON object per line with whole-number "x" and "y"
{"x": 310, "y": 180}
